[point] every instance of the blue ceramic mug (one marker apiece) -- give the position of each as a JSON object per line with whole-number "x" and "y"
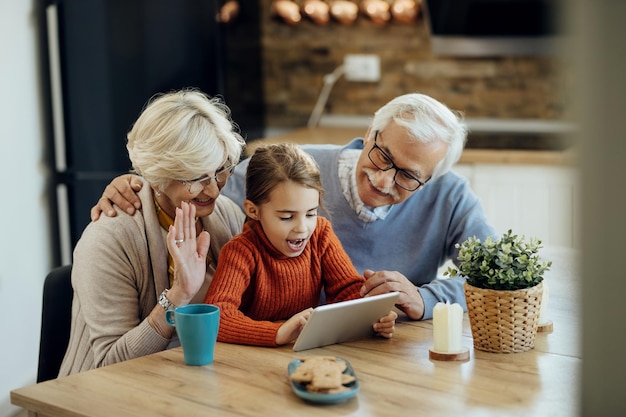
{"x": 196, "y": 326}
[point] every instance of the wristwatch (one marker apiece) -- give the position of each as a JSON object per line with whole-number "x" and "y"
{"x": 164, "y": 302}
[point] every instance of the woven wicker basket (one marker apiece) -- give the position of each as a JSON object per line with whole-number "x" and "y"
{"x": 503, "y": 321}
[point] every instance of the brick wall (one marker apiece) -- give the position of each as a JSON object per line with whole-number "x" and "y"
{"x": 295, "y": 59}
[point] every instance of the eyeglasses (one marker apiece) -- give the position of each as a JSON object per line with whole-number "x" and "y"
{"x": 383, "y": 162}
{"x": 220, "y": 177}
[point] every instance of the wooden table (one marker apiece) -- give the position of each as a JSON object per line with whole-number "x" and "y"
{"x": 397, "y": 377}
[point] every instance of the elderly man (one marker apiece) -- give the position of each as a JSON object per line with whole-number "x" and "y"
{"x": 392, "y": 198}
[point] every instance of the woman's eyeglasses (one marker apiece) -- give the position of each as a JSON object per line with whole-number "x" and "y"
{"x": 220, "y": 177}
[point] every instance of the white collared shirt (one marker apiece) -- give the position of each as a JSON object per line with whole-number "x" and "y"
{"x": 347, "y": 178}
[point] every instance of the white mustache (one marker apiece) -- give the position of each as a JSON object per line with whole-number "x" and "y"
{"x": 391, "y": 191}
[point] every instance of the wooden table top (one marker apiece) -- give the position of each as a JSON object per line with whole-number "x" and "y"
{"x": 396, "y": 376}
{"x": 343, "y": 135}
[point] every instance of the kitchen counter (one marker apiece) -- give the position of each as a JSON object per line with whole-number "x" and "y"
{"x": 342, "y": 135}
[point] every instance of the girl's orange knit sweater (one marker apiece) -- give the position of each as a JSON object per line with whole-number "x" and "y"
{"x": 257, "y": 287}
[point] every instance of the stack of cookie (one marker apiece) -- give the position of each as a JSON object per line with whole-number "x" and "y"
{"x": 322, "y": 375}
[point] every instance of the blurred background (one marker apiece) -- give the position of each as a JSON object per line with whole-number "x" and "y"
{"x": 521, "y": 86}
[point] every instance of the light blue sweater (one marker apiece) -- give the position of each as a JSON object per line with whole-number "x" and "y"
{"x": 416, "y": 237}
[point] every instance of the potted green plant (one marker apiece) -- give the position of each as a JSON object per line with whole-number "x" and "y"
{"x": 503, "y": 290}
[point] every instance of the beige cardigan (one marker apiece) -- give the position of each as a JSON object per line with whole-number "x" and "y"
{"x": 119, "y": 270}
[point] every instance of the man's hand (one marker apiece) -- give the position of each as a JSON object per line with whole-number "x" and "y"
{"x": 122, "y": 192}
{"x": 382, "y": 282}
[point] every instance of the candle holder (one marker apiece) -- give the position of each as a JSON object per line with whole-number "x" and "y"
{"x": 447, "y": 333}
{"x": 546, "y": 327}
{"x": 464, "y": 355}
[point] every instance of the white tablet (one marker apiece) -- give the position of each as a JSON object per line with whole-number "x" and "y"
{"x": 345, "y": 320}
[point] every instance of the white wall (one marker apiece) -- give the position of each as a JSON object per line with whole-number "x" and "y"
{"x": 24, "y": 243}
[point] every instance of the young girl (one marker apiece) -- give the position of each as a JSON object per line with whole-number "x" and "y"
{"x": 270, "y": 276}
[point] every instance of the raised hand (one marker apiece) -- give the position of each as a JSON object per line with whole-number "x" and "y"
{"x": 189, "y": 253}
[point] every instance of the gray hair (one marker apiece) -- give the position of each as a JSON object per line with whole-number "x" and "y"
{"x": 182, "y": 135}
{"x": 426, "y": 120}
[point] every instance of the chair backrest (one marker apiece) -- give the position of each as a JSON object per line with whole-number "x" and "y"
{"x": 56, "y": 316}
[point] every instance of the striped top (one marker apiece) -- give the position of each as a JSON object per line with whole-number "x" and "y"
{"x": 257, "y": 287}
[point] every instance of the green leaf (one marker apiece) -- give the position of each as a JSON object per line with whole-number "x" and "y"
{"x": 509, "y": 262}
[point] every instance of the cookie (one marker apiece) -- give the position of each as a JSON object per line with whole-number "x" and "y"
{"x": 322, "y": 374}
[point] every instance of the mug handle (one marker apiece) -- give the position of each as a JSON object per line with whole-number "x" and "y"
{"x": 169, "y": 316}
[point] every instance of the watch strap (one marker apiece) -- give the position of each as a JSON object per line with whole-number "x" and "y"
{"x": 165, "y": 302}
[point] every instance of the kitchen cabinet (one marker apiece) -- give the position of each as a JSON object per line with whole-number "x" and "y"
{"x": 533, "y": 200}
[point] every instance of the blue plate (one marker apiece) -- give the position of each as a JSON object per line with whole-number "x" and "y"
{"x": 300, "y": 388}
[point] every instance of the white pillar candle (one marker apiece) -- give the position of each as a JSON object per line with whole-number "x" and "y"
{"x": 447, "y": 327}
{"x": 543, "y": 309}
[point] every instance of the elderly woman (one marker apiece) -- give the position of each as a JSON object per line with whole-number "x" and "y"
{"x": 128, "y": 270}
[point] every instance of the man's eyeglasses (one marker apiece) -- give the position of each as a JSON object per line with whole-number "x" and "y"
{"x": 220, "y": 177}
{"x": 383, "y": 162}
